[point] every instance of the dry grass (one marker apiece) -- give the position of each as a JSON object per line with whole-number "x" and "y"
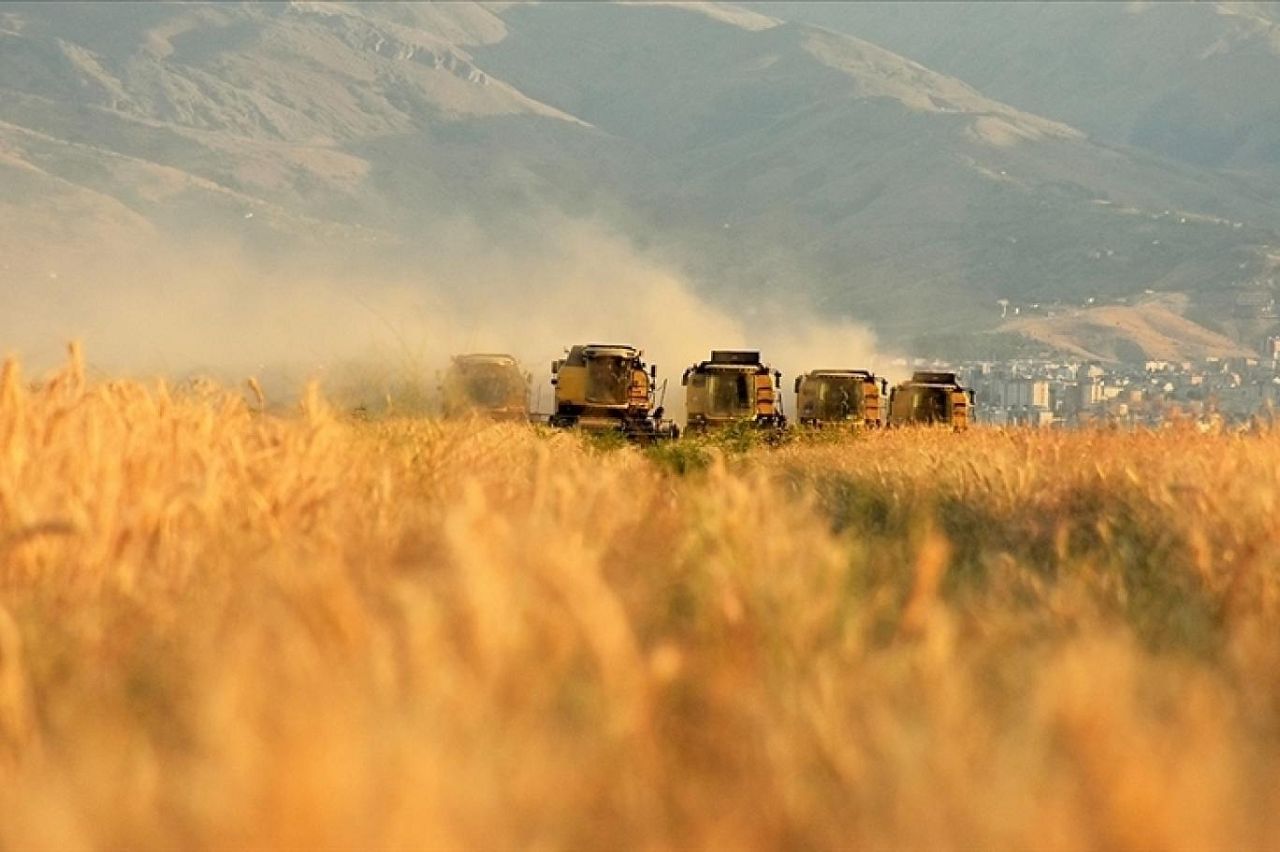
{"x": 222, "y": 629}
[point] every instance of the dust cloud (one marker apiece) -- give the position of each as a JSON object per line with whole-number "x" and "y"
{"x": 373, "y": 331}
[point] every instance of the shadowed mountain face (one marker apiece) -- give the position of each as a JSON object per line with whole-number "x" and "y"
{"x": 755, "y": 156}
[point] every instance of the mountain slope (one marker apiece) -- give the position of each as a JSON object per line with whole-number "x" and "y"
{"x": 1198, "y": 82}
{"x": 817, "y": 163}
{"x": 781, "y": 167}
{"x": 1155, "y": 327}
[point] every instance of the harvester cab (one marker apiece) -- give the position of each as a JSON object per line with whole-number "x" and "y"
{"x": 931, "y": 398}
{"x": 733, "y": 387}
{"x": 486, "y": 385}
{"x": 841, "y": 398}
{"x": 607, "y": 387}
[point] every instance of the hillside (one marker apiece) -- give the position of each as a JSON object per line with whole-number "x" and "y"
{"x": 779, "y": 170}
{"x": 1199, "y": 82}
{"x": 818, "y": 164}
{"x": 1156, "y": 327}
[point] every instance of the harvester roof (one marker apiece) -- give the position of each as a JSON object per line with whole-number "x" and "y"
{"x": 731, "y": 360}
{"x": 578, "y": 355}
{"x": 617, "y": 350}
{"x": 735, "y": 357}
{"x": 928, "y": 377}
{"x": 494, "y": 358}
{"x": 841, "y": 373}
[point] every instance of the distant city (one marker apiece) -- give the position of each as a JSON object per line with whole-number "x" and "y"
{"x": 1213, "y": 392}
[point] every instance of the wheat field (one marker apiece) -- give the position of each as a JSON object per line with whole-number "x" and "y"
{"x": 224, "y": 629}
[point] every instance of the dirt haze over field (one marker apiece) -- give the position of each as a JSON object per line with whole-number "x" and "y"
{"x": 178, "y": 310}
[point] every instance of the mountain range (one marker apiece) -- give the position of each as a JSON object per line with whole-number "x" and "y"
{"x": 787, "y": 160}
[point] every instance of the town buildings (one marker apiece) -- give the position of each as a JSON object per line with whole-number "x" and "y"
{"x": 1212, "y": 392}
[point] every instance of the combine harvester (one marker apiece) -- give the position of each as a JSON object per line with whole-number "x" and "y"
{"x": 931, "y": 399}
{"x": 607, "y": 388}
{"x": 841, "y": 399}
{"x": 485, "y": 385}
{"x": 733, "y": 387}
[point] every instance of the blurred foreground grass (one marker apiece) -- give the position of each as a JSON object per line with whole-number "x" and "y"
{"x": 223, "y": 629}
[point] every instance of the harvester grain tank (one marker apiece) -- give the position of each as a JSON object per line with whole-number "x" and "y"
{"x": 841, "y": 398}
{"x": 931, "y": 398}
{"x": 735, "y": 386}
{"x": 605, "y": 387}
{"x": 486, "y": 385}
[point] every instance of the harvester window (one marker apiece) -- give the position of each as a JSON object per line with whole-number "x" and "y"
{"x": 490, "y": 385}
{"x": 840, "y": 398}
{"x": 729, "y": 394}
{"x": 929, "y": 405}
{"x": 608, "y": 380}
